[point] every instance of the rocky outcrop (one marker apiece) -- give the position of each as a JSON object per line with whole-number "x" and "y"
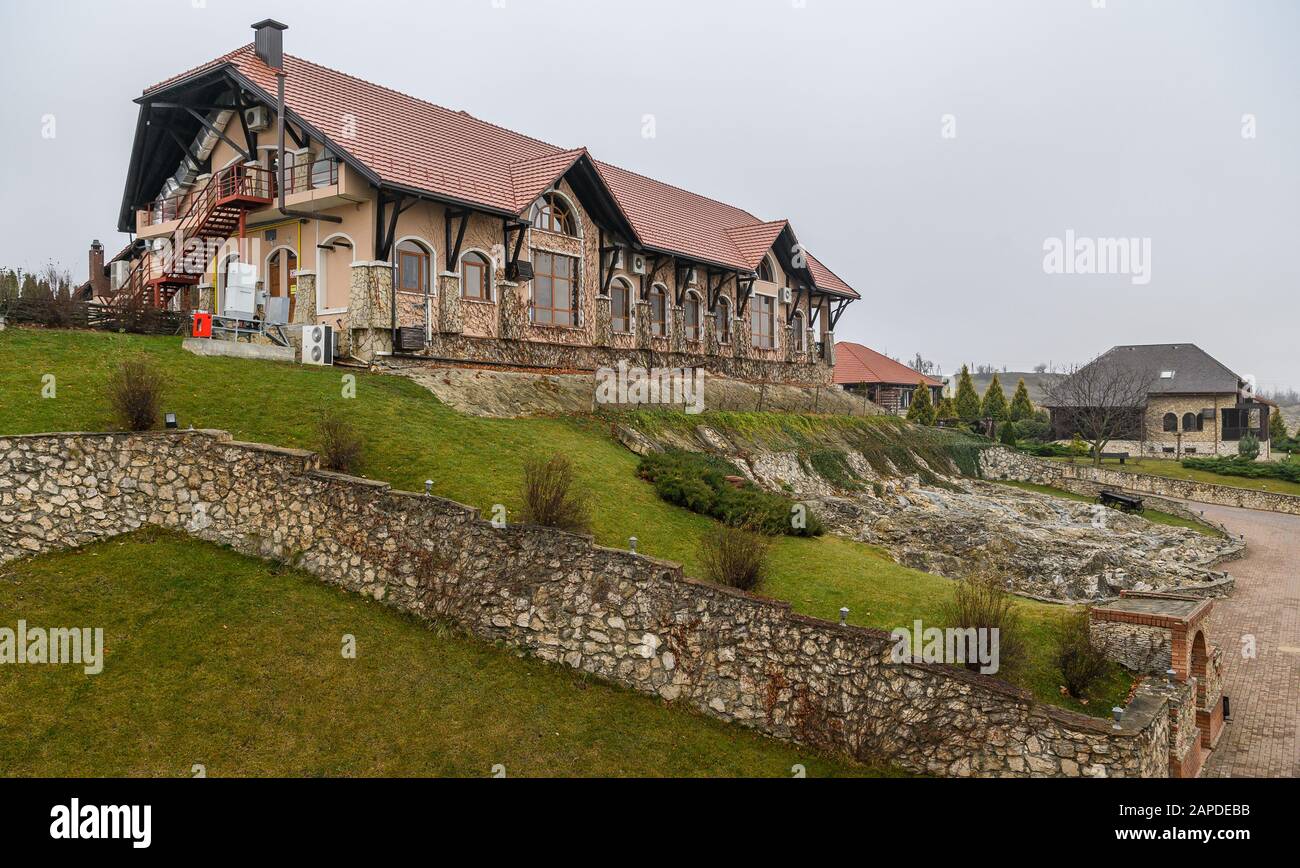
{"x": 1045, "y": 547}
{"x": 937, "y": 520}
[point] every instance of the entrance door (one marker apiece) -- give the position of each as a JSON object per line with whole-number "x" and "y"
{"x": 281, "y": 279}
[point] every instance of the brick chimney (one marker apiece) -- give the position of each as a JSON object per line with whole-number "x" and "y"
{"x": 98, "y": 279}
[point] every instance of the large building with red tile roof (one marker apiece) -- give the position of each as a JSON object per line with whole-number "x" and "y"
{"x": 880, "y": 379}
{"x": 418, "y": 230}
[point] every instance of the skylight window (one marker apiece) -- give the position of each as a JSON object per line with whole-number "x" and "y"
{"x": 1166, "y": 375}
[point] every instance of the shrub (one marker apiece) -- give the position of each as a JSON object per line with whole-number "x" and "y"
{"x": 1248, "y": 447}
{"x": 1286, "y": 470}
{"x": 1034, "y": 431}
{"x": 550, "y": 497}
{"x": 711, "y": 486}
{"x": 1046, "y": 450}
{"x": 1081, "y": 662}
{"x": 341, "y": 445}
{"x": 921, "y": 410}
{"x": 734, "y": 557}
{"x": 980, "y": 601}
{"x": 1007, "y": 434}
{"x": 135, "y": 393}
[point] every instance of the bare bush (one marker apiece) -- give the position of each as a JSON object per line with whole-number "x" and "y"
{"x": 135, "y": 393}
{"x": 341, "y": 444}
{"x": 982, "y": 602}
{"x": 550, "y": 497}
{"x": 734, "y": 557}
{"x": 1082, "y": 663}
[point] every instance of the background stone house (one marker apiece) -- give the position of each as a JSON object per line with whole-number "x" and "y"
{"x": 1195, "y": 405}
{"x": 418, "y": 230}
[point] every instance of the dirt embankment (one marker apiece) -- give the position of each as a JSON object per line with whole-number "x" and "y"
{"x": 503, "y": 393}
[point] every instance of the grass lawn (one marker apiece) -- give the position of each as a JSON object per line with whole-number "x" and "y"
{"x": 1175, "y": 470}
{"x": 1151, "y": 515}
{"x": 223, "y": 660}
{"x": 412, "y": 437}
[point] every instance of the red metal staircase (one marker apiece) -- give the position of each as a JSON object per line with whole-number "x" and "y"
{"x": 217, "y": 213}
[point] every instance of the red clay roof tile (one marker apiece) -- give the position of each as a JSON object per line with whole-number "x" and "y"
{"x": 413, "y": 143}
{"x": 855, "y": 363}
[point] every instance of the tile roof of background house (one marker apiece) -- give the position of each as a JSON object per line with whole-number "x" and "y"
{"x": 415, "y": 144}
{"x": 1194, "y": 371}
{"x": 855, "y": 363}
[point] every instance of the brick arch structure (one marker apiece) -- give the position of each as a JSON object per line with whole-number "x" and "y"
{"x": 1154, "y": 633}
{"x": 1197, "y": 657}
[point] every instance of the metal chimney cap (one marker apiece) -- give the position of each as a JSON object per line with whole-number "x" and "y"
{"x": 270, "y": 22}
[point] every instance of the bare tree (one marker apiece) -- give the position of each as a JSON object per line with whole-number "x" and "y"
{"x": 1104, "y": 400}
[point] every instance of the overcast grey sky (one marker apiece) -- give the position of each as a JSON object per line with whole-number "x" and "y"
{"x": 1118, "y": 122}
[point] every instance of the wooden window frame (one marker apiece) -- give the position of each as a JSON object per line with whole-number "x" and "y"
{"x": 619, "y": 287}
{"x": 763, "y": 312}
{"x": 658, "y": 312}
{"x": 545, "y": 219}
{"x": 474, "y": 259}
{"x": 425, "y": 260}
{"x": 540, "y": 271}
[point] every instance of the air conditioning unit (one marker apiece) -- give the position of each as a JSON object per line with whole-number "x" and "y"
{"x": 520, "y": 271}
{"x": 787, "y": 295}
{"x": 639, "y": 264}
{"x": 318, "y": 345}
{"x": 257, "y": 118}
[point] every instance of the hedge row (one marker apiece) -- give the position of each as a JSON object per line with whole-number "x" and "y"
{"x": 698, "y": 482}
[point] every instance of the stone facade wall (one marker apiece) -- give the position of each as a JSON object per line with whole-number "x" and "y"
{"x": 1002, "y": 463}
{"x": 1140, "y": 647}
{"x": 505, "y": 314}
{"x": 625, "y": 618}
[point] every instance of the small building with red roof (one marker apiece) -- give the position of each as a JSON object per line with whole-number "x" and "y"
{"x": 880, "y": 379}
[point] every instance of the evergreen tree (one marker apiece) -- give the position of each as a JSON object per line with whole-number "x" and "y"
{"x": 1276, "y": 426}
{"x": 946, "y": 409}
{"x": 968, "y": 400}
{"x": 921, "y": 410}
{"x": 995, "y": 401}
{"x": 1021, "y": 407}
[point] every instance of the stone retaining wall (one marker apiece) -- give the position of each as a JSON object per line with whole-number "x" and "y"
{"x": 628, "y": 619}
{"x": 1003, "y": 463}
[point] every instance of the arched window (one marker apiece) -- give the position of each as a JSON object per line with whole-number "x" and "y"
{"x": 553, "y": 214}
{"x": 1171, "y": 422}
{"x": 620, "y": 306}
{"x": 414, "y": 264}
{"x": 1192, "y": 422}
{"x": 765, "y": 270}
{"x": 658, "y": 312}
{"x": 800, "y": 333}
{"x": 722, "y": 320}
{"x": 692, "y": 316}
{"x": 476, "y": 276}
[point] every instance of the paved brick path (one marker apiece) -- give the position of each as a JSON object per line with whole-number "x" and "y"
{"x": 1263, "y": 738}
